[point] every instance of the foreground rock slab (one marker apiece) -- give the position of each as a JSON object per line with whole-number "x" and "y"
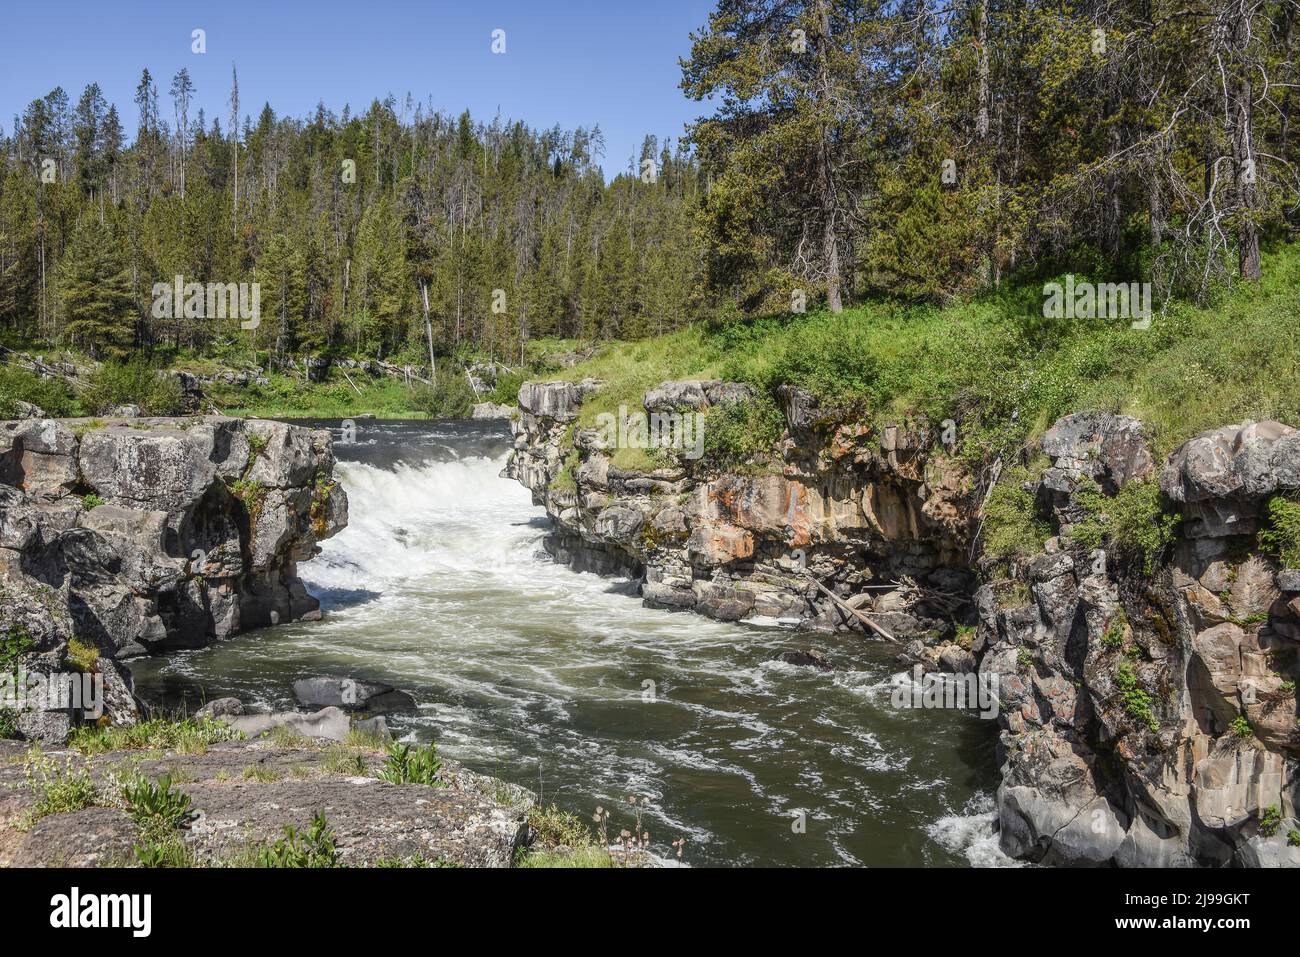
{"x": 245, "y": 793}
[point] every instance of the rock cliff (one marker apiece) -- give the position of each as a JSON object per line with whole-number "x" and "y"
{"x": 138, "y": 535}
{"x": 1147, "y": 703}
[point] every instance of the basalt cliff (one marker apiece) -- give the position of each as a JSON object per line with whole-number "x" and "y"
{"x": 1147, "y": 702}
{"x": 123, "y": 537}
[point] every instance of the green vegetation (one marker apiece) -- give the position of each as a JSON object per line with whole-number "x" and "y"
{"x": 1293, "y": 838}
{"x": 59, "y": 788}
{"x": 1269, "y": 820}
{"x": 14, "y": 643}
{"x": 187, "y": 736}
{"x": 1000, "y": 370}
{"x": 1240, "y": 727}
{"x": 1137, "y": 702}
{"x": 1113, "y": 636}
{"x": 1012, "y": 528}
{"x": 736, "y": 435}
{"x": 1282, "y": 536}
{"x": 407, "y": 765}
{"x": 561, "y": 839}
{"x": 1135, "y": 520}
{"x": 261, "y": 773}
{"x": 315, "y": 847}
{"x": 153, "y": 804}
{"x": 82, "y": 656}
{"x": 91, "y": 501}
{"x": 131, "y": 383}
{"x": 52, "y": 396}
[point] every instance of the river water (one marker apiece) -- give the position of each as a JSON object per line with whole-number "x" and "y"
{"x": 564, "y": 683}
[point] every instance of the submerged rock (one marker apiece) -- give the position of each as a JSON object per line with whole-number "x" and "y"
{"x": 805, "y": 659}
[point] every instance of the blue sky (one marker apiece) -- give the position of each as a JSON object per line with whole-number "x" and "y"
{"x": 572, "y": 62}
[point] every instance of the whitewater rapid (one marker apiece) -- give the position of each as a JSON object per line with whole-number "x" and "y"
{"x": 564, "y": 683}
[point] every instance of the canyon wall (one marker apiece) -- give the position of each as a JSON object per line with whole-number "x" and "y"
{"x": 1147, "y": 707}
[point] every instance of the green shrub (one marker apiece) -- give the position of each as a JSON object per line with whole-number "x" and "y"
{"x": 132, "y": 383}
{"x": 1293, "y": 838}
{"x": 1137, "y": 702}
{"x": 1269, "y": 820}
{"x": 1134, "y": 520}
{"x": 1011, "y": 527}
{"x": 506, "y": 391}
{"x": 737, "y": 432}
{"x": 14, "y": 643}
{"x": 407, "y": 765}
{"x": 450, "y": 397}
{"x": 18, "y": 385}
{"x": 90, "y": 501}
{"x": 316, "y": 847}
{"x": 1240, "y": 727}
{"x": 1282, "y": 536}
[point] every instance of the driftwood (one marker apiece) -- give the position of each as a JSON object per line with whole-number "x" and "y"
{"x": 350, "y": 382}
{"x": 843, "y": 606}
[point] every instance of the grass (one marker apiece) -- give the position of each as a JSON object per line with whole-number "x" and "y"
{"x": 996, "y": 366}
{"x": 82, "y": 656}
{"x": 187, "y": 736}
{"x": 59, "y": 788}
{"x": 562, "y": 839}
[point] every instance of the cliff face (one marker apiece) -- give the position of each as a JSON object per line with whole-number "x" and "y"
{"x": 848, "y": 502}
{"x": 139, "y": 535}
{"x": 1150, "y": 719}
{"x": 1120, "y": 686}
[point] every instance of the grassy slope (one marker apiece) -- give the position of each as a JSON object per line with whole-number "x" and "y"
{"x": 997, "y": 366}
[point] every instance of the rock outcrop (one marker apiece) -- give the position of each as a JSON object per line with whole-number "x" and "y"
{"x": 244, "y": 794}
{"x": 1149, "y": 717}
{"x": 854, "y": 504}
{"x": 139, "y": 535}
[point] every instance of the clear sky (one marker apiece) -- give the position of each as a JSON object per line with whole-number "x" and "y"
{"x": 572, "y": 62}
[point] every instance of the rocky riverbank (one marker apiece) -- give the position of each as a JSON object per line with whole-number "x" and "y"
{"x": 67, "y": 808}
{"x": 1147, "y": 698}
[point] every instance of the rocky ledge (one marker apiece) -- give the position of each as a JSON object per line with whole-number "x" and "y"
{"x": 119, "y": 538}
{"x": 1147, "y": 701}
{"x": 242, "y": 796}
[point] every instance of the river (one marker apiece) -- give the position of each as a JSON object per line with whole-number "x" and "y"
{"x": 564, "y": 683}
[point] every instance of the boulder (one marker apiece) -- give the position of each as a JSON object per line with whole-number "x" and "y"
{"x": 805, "y": 659}
{"x": 491, "y": 410}
{"x": 220, "y": 708}
{"x": 351, "y": 695}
